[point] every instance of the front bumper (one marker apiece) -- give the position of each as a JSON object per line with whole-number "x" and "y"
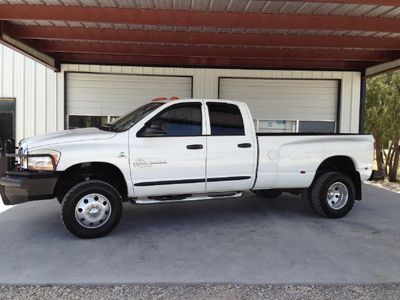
{"x": 20, "y": 189}
{"x": 17, "y": 186}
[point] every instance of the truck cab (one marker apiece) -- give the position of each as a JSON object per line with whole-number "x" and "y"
{"x": 192, "y": 141}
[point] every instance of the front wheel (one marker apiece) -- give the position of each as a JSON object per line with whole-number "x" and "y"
{"x": 332, "y": 195}
{"x": 91, "y": 209}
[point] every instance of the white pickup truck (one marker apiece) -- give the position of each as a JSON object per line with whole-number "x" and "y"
{"x": 176, "y": 151}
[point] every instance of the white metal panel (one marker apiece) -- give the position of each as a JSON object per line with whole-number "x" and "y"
{"x": 8, "y": 70}
{"x": 30, "y": 101}
{"x": 19, "y": 94}
{"x": 115, "y": 95}
{"x": 27, "y": 81}
{"x": 40, "y": 97}
{"x": 286, "y": 99}
{"x": 51, "y": 101}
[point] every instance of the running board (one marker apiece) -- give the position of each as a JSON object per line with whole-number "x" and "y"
{"x": 201, "y": 197}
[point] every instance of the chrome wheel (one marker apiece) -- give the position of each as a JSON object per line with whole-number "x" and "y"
{"x": 93, "y": 210}
{"x": 337, "y": 195}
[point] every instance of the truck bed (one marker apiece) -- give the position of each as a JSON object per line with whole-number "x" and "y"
{"x": 291, "y": 160}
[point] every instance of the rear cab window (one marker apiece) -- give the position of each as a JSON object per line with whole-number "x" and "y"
{"x": 225, "y": 119}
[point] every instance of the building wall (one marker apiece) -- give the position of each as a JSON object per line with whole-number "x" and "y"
{"x": 205, "y": 83}
{"x": 34, "y": 87}
{"x": 39, "y": 91}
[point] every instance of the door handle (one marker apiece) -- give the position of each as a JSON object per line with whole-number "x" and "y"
{"x": 194, "y": 146}
{"x": 244, "y": 145}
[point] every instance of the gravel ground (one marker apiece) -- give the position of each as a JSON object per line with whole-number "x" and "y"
{"x": 386, "y": 184}
{"x": 203, "y": 291}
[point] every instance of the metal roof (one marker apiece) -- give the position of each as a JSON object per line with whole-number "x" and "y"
{"x": 255, "y": 6}
{"x": 368, "y": 29}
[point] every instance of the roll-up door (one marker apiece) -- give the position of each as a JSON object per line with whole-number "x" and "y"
{"x": 92, "y": 99}
{"x": 286, "y": 105}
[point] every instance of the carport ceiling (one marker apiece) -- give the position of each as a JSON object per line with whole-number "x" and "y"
{"x": 334, "y": 34}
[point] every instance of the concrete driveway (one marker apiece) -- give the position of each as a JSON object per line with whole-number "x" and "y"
{"x": 246, "y": 240}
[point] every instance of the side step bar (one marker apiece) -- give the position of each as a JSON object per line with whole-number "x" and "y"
{"x": 200, "y": 197}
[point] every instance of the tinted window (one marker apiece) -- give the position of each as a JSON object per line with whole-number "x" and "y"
{"x": 225, "y": 119}
{"x": 178, "y": 120}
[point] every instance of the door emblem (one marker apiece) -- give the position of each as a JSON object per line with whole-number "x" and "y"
{"x": 141, "y": 163}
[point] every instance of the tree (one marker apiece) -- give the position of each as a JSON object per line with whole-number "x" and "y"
{"x": 383, "y": 121}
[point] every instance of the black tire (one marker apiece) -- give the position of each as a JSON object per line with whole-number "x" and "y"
{"x": 270, "y": 194}
{"x": 319, "y": 195}
{"x": 111, "y": 214}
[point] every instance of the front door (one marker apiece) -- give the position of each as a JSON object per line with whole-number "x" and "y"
{"x": 168, "y": 155}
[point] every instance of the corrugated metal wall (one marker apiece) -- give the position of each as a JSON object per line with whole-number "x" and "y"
{"x": 205, "y": 83}
{"x": 39, "y": 91}
{"x": 35, "y": 89}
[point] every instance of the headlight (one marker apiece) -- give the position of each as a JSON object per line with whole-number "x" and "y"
{"x": 41, "y": 163}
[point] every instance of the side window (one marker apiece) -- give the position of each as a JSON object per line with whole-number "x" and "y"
{"x": 225, "y": 119}
{"x": 177, "y": 120}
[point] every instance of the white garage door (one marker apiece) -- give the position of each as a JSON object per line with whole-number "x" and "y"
{"x": 92, "y": 99}
{"x": 286, "y": 104}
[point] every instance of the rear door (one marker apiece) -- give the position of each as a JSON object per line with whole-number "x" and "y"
{"x": 231, "y": 148}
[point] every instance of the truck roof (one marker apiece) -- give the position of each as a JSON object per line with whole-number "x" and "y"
{"x": 178, "y": 100}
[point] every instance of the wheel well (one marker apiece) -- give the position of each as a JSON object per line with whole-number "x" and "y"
{"x": 89, "y": 171}
{"x": 345, "y": 165}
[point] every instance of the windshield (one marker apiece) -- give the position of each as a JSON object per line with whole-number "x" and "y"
{"x": 127, "y": 121}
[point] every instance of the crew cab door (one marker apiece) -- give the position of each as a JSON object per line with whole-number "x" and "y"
{"x": 231, "y": 147}
{"x": 168, "y": 154}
